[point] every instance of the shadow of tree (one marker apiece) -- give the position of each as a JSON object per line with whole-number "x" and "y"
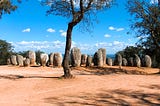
{"x": 155, "y": 87}
{"x": 109, "y": 70}
{"x": 117, "y": 97}
{"x": 14, "y": 77}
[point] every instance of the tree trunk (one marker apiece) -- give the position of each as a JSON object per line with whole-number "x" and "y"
{"x": 66, "y": 68}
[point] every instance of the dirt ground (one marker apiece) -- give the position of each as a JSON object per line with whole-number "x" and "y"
{"x": 107, "y": 86}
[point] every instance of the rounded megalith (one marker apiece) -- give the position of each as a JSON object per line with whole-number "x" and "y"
{"x": 83, "y": 59}
{"x": 8, "y": 61}
{"x": 98, "y": 58}
{"x": 137, "y": 61}
{"x": 147, "y": 61}
{"x": 103, "y": 55}
{"x": 118, "y": 60}
{"x": 32, "y": 57}
{"x": 26, "y": 62}
{"x": 20, "y": 60}
{"x": 109, "y": 61}
{"x": 44, "y": 59}
{"x": 51, "y": 58}
{"x": 14, "y": 60}
{"x": 57, "y": 59}
{"x": 75, "y": 57}
{"x": 89, "y": 61}
{"x": 131, "y": 61}
{"x": 124, "y": 62}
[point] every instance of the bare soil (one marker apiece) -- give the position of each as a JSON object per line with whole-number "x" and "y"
{"x": 43, "y": 86}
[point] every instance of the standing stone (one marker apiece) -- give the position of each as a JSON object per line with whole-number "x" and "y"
{"x": 131, "y": 62}
{"x": 118, "y": 60}
{"x": 27, "y": 62}
{"x": 32, "y": 57}
{"x": 20, "y": 60}
{"x": 44, "y": 59}
{"x": 109, "y": 62}
{"x": 147, "y": 61}
{"x": 75, "y": 57}
{"x": 137, "y": 61}
{"x": 89, "y": 61}
{"x": 124, "y": 62}
{"x": 103, "y": 55}
{"x": 98, "y": 58}
{"x": 83, "y": 59}
{"x": 57, "y": 59}
{"x": 14, "y": 60}
{"x": 51, "y": 58}
{"x": 9, "y": 61}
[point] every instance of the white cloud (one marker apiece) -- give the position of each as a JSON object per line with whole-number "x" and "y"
{"x": 119, "y": 29}
{"x": 46, "y": 46}
{"x": 59, "y": 46}
{"x": 107, "y": 35}
{"x": 115, "y": 29}
{"x": 111, "y": 28}
{"x": 154, "y": 1}
{"x": 63, "y": 33}
{"x": 117, "y": 43}
{"x": 51, "y": 30}
{"x": 26, "y": 30}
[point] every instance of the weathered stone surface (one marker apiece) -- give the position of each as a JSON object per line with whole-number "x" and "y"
{"x": 118, "y": 60}
{"x": 44, "y": 59}
{"x": 51, "y": 58}
{"x": 98, "y": 58}
{"x": 83, "y": 59}
{"x": 9, "y": 61}
{"x": 57, "y": 59}
{"x": 131, "y": 61}
{"x": 32, "y": 57}
{"x": 75, "y": 57}
{"x": 124, "y": 62}
{"x": 109, "y": 62}
{"x": 14, "y": 60}
{"x": 137, "y": 61}
{"x": 103, "y": 55}
{"x": 89, "y": 61}
{"x": 147, "y": 61}
{"x": 20, "y": 60}
{"x": 27, "y": 62}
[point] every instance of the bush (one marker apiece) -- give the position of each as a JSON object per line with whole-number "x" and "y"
{"x": 5, "y": 51}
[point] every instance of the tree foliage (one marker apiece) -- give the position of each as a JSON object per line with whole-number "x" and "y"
{"x": 146, "y": 24}
{"x": 6, "y": 6}
{"x": 5, "y": 51}
{"x": 76, "y": 11}
{"x": 130, "y": 51}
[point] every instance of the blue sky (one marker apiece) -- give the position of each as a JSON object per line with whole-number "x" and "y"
{"x": 28, "y": 28}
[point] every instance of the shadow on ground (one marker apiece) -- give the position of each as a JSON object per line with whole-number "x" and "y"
{"x": 109, "y": 70}
{"x": 85, "y": 71}
{"x": 14, "y": 77}
{"x": 116, "y": 97}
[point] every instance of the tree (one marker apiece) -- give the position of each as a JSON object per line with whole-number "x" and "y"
{"x": 146, "y": 21}
{"x": 146, "y": 24}
{"x": 6, "y": 6}
{"x": 130, "y": 51}
{"x": 77, "y": 11}
{"x": 5, "y": 51}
